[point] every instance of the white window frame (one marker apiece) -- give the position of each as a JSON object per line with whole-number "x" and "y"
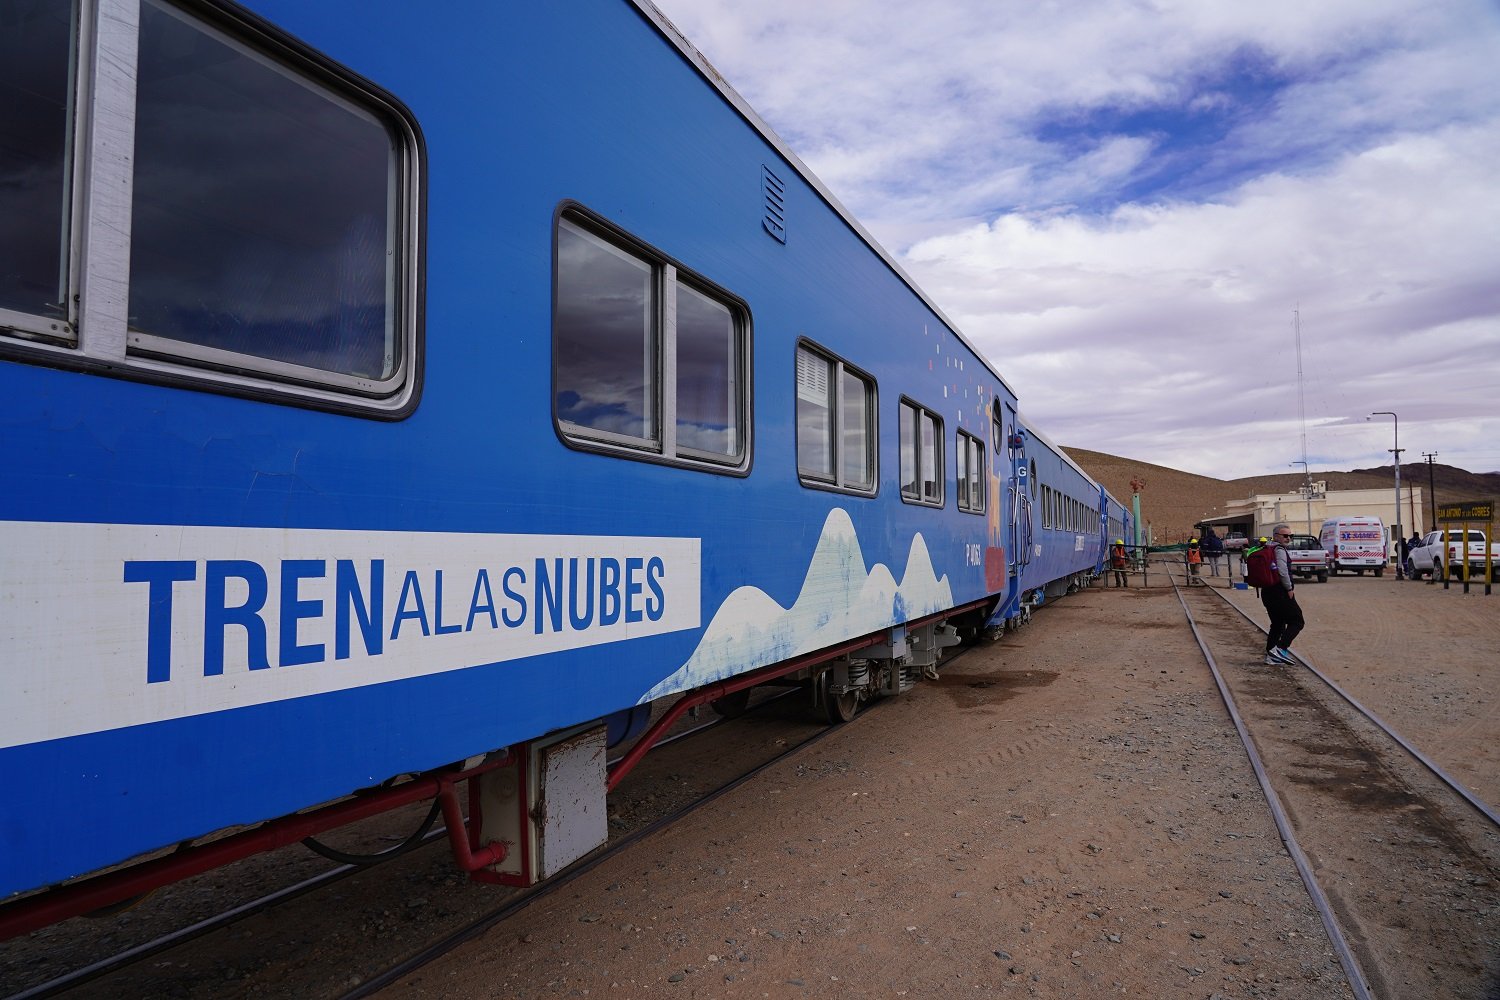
{"x": 838, "y": 368}
{"x": 969, "y": 452}
{"x": 937, "y": 478}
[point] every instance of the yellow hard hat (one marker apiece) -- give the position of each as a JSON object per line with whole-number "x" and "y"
{"x": 1192, "y": 541}
{"x": 1119, "y": 541}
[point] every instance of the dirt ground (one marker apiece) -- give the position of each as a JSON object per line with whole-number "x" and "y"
{"x": 1067, "y": 813}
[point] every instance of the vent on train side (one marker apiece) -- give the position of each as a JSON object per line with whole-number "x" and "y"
{"x": 774, "y": 192}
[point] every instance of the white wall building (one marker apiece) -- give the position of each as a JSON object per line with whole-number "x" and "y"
{"x": 1306, "y": 511}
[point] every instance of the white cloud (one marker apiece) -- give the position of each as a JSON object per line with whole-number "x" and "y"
{"x": 1391, "y": 255}
{"x": 1043, "y": 176}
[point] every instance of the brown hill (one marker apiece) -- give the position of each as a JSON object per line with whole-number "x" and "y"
{"x": 1173, "y": 501}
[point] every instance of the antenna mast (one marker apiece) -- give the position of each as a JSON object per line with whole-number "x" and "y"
{"x": 1302, "y": 413}
{"x": 1301, "y": 403}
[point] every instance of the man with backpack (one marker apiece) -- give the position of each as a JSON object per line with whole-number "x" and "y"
{"x": 1269, "y": 569}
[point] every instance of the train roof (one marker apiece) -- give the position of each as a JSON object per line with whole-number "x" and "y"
{"x": 674, "y": 35}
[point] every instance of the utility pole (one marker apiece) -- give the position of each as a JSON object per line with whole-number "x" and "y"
{"x": 1307, "y": 494}
{"x": 1431, "y": 490}
{"x": 1397, "y": 450}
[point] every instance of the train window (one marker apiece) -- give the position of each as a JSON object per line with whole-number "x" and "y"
{"x": 250, "y": 220}
{"x": 921, "y": 442}
{"x": 968, "y": 456}
{"x": 36, "y": 118}
{"x": 708, "y": 376}
{"x": 605, "y": 345}
{"x": 263, "y": 228}
{"x": 961, "y": 470}
{"x": 835, "y": 423}
{"x": 624, "y": 316}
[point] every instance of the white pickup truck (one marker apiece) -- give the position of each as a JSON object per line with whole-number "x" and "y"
{"x": 1427, "y": 558}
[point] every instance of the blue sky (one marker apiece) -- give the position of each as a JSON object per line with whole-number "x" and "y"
{"x": 1122, "y": 204}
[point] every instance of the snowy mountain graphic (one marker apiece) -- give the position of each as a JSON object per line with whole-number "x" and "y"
{"x": 839, "y": 598}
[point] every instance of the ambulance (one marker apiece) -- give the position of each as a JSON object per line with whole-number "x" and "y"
{"x": 1354, "y": 543}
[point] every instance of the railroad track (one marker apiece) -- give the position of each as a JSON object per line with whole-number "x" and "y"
{"x": 1402, "y": 862}
{"x": 483, "y": 923}
{"x": 373, "y": 902}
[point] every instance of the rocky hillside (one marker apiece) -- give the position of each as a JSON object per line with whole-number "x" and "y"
{"x": 1173, "y": 501}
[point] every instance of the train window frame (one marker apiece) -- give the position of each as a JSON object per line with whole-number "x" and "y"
{"x": 929, "y": 486}
{"x": 839, "y": 373}
{"x": 969, "y": 472}
{"x": 662, "y": 445}
{"x": 96, "y": 334}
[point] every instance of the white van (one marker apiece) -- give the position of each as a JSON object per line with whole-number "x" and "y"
{"x": 1355, "y": 543}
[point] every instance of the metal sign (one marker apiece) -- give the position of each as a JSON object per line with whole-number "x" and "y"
{"x": 1469, "y": 510}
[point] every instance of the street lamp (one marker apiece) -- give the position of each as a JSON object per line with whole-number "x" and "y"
{"x": 1396, "y": 450}
{"x": 1307, "y": 492}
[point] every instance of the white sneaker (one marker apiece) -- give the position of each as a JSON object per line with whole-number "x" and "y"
{"x": 1273, "y": 661}
{"x": 1283, "y": 654}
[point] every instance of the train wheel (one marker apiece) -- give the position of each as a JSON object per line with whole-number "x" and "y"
{"x": 731, "y": 706}
{"x": 839, "y": 708}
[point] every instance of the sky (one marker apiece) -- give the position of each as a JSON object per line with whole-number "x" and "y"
{"x": 1136, "y": 209}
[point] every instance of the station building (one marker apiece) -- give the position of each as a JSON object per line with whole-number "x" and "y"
{"x": 1306, "y": 509}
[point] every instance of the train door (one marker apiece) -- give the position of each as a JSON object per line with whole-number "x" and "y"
{"x": 1102, "y": 556}
{"x": 999, "y": 541}
{"x": 1010, "y": 526}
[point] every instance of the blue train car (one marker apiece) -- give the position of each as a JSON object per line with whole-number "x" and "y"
{"x": 1119, "y": 521}
{"x": 373, "y": 402}
{"x": 1066, "y": 511}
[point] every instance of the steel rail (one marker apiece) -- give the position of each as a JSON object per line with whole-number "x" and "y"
{"x": 1457, "y": 786}
{"x": 182, "y": 935}
{"x": 227, "y": 918}
{"x": 1331, "y": 927}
